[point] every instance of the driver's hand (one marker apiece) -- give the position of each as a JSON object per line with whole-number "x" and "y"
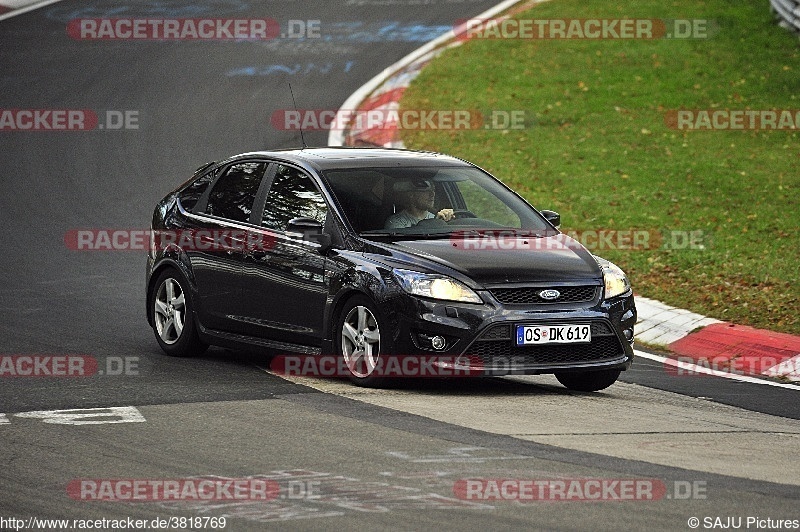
{"x": 446, "y": 215}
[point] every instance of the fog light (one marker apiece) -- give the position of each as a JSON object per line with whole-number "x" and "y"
{"x": 432, "y": 342}
{"x": 628, "y": 334}
{"x": 438, "y": 343}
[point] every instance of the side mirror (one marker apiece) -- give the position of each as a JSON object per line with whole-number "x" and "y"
{"x": 553, "y": 217}
{"x": 311, "y": 230}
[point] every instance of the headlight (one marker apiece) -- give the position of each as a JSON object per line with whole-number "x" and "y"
{"x": 435, "y": 286}
{"x": 615, "y": 279}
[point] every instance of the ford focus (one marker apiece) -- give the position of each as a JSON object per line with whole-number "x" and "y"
{"x": 367, "y": 255}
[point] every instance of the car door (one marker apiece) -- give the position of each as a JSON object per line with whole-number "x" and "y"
{"x": 284, "y": 283}
{"x": 218, "y": 241}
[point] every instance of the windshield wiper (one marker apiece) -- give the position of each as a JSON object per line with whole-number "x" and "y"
{"x": 515, "y": 231}
{"x": 366, "y": 234}
{"x": 415, "y": 236}
{"x": 432, "y": 235}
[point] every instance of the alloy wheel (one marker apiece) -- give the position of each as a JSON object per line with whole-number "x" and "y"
{"x": 361, "y": 341}
{"x": 170, "y": 311}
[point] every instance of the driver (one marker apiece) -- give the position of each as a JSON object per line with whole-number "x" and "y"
{"x": 416, "y": 197}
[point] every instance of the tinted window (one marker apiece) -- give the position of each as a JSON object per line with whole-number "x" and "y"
{"x": 233, "y": 194}
{"x": 190, "y": 195}
{"x": 375, "y": 199}
{"x": 292, "y": 195}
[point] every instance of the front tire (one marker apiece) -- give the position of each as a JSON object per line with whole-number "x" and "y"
{"x": 173, "y": 316}
{"x": 361, "y": 340}
{"x": 589, "y": 381}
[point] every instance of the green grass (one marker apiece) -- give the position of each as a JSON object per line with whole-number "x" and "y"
{"x": 602, "y": 155}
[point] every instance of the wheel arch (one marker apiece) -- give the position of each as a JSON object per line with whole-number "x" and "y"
{"x": 338, "y": 304}
{"x": 168, "y": 263}
{"x": 366, "y": 280}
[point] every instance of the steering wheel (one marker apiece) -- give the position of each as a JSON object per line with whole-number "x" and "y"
{"x": 462, "y": 213}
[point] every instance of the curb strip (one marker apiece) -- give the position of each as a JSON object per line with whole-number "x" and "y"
{"x": 12, "y": 8}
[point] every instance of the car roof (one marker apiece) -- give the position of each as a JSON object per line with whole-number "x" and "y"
{"x": 345, "y": 157}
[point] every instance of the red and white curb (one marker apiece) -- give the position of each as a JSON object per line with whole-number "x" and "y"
{"x": 661, "y": 324}
{"x": 703, "y": 345}
{"x": 12, "y": 8}
{"x": 383, "y": 92}
{"x": 718, "y": 345}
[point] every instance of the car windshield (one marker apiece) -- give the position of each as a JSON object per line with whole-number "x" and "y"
{"x": 429, "y": 201}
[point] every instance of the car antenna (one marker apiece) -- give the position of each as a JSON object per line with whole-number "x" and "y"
{"x": 302, "y": 138}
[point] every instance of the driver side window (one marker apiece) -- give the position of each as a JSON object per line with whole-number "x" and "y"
{"x": 487, "y": 206}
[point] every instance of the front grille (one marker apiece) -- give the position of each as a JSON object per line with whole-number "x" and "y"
{"x": 600, "y": 329}
{"x": 497, "y": 332}
{"x": 499, "y": 354}
{"x": 530, "y": 295}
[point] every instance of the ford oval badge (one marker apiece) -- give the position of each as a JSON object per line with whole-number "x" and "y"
{"x": 549, "y": 295}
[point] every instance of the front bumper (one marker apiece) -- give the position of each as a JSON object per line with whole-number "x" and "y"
{"x": 481, "y": 338}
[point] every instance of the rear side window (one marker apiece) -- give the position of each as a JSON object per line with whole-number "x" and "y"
{"x": 292, "y": 195}
{"x": 190, "y": 195}
{"x": 234, "y": 192}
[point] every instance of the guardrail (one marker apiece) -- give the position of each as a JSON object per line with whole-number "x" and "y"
{"x": 788, "y": 11}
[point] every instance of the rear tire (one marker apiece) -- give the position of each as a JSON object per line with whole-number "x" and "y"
{"x": 589, "y": 381}
{"x": 173, "y": 316}
{"x": 361, "y": 340}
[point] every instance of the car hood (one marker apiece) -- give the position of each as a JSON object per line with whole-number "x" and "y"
{"x": 493, "y": 260}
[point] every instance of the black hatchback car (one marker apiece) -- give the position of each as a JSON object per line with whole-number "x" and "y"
{"x": 365, "y": 254}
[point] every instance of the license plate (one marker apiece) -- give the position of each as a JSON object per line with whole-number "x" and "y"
{"x": 553, "y": 334}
